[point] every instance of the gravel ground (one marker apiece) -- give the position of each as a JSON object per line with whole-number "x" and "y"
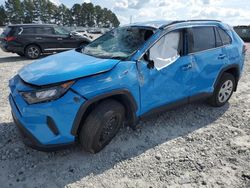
{"x": 192, "y": 146}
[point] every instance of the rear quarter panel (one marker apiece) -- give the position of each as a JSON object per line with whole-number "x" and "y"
{"x": 234, "y": 50}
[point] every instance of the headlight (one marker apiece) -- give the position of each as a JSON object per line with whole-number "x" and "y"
{"x": 45, "y": 95}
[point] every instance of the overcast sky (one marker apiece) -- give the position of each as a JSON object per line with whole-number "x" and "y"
{"x": 234, "y": 12}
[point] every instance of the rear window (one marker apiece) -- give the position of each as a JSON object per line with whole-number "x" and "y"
{"x": 218, "y": 38}
{"x": 224, "y": 36}
{"x": 201, "y": 38}
{"x": 6, "y": 31}
{"x": 28, "y": 30}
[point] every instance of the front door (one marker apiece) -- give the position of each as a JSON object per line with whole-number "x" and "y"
{"x": 165, "y": 78}
{"x": 46, "y": 38}
{"x": 65, "y": 40}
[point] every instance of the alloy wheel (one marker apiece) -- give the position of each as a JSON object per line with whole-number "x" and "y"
{"x": 33, "y": 52}
{"x": 225, "y": 91}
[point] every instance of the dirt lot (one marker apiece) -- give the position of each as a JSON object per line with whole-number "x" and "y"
{"x": 193, "y": 146}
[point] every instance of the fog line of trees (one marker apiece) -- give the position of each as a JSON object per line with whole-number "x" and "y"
{"x": 44, "y": 11}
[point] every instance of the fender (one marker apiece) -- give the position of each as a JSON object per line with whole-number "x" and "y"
{"x": 225, "y": 69}
{"x": 124, "y": 96}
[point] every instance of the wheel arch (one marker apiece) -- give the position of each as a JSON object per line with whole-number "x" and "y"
{"x": 233, "y": 69}
{"x": 123, "y": 96}
{"x": 32, "y": 44}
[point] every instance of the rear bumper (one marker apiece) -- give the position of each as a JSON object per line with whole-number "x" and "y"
{"x": 3, "y": 46}
{"x": 11, "y": 48}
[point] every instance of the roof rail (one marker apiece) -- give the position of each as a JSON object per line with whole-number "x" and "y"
{"x": 181, "y": 21}
{"x": 200, "y": 20}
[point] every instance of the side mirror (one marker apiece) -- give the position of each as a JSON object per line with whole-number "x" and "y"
{"x": 71, "y": 34}
{"x": 151, "y": 63}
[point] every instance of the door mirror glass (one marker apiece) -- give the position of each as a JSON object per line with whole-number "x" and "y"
{"x": 165, "y": 51}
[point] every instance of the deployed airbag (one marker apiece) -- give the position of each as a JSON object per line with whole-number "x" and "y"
{"x": 165, "y": 51}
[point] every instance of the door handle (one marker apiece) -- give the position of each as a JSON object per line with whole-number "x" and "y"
{"x": 38, "y": 38}
{"x": 59, "y": 38}
{"x": 221, "y": 56}
{"x": 187, "y": 67}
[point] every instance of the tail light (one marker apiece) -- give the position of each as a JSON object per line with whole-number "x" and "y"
{"x": 244, "y": 50}
{"x": 8, "y": 39}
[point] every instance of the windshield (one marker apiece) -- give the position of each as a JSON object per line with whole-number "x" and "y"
{"x": 119, "y": 43}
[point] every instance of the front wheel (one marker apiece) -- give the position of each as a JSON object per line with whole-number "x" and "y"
{"x": 101, "y": 125}
{"x": 223, "y": 90}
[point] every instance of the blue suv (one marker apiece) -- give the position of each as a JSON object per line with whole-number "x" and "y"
{"x": 85, "y": 95}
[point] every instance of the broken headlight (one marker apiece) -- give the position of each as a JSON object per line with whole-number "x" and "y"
{"x": 47, "y": 94}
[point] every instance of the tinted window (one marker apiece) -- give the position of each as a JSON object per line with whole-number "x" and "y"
{"x": 6, "y": 31}
{"x": 224, "y": 36}
{"x": 202, "y": 38}
{"x": 44, "y": 30}
{"x": 28, "y": 31}
{"x": 61, "y": 31}
{"x": 218, "y": 40}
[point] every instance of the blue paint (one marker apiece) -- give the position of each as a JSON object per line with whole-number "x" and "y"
{"x": 64, "y": 66}
{"x": 95, "y": 76}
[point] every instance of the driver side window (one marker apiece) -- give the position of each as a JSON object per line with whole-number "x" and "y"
{"x": 60, "y": 31}
{"x": 167, "y": 50}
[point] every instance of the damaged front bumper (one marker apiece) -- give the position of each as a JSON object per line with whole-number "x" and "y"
{"x": 45, "y": 126}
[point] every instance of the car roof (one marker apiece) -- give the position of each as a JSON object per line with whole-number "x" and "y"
{"x": 30, "y": 25}
{"x": 165, "y": 23}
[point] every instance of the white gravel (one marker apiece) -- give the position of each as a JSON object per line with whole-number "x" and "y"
{"x": 192, "y": 146}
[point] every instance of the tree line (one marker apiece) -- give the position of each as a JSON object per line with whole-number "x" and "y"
{"x": 44, "y": 11}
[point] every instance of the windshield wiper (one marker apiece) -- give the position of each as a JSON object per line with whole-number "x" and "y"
{"x": 117, "y": 57}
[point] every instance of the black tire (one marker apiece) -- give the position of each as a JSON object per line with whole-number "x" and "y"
{"x": 20, "y": 54}
{"x": 32, "y": 51}
{"x": 107, "y": 118}
{"x": 216, "y": 99}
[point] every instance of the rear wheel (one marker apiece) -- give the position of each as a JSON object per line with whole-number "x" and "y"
{"x": 32, "y": 52}
{"x": 101, "y": 125}
{"x": 223, "y": 90}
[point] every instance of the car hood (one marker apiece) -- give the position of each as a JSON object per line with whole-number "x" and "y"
{"x": 63, "y": 67}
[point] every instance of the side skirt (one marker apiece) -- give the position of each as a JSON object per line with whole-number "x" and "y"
{"x": 173, "y": 105}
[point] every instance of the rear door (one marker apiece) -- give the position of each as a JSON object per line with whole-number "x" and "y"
{"x": 27, "y": 35}
{"x": 207, "y": 57}
{"x": 42, "y": 36}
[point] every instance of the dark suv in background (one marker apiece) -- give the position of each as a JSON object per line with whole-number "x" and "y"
{"x": 31, "y": 40}
{"x": 243, "y": 32}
